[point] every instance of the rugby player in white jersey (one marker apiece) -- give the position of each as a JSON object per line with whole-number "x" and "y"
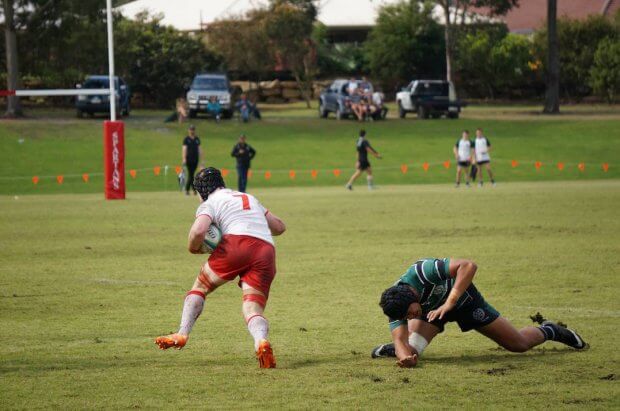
{"x": 482, "y": 147}
{"x": 245, "y": 251}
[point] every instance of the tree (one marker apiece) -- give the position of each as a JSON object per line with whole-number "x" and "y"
{"x": 405, "y": 43}
{"x": 289, "y": 25}
{"x": 12, "y": 67}
{"x": 456, "y": 12}
{"x": 552, "y": 99}
{"x": 605, "y": 73}
{"x": 242, "y": 43}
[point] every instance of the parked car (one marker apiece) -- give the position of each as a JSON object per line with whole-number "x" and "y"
{"x": 101, "y": 103}
{"x": 336, "y": 98}
{"x": 429, "y": 98}
{"x": 206, "y": 85}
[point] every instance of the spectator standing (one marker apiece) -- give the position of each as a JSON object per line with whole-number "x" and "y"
{"x": 191, "y": 156}
{"x": 244, "y": 153}
{"x": 482, "y": 146}
{"x": 245, "y": 108}
{"x": 463, "y": 155}
{"x": 363, "y": 148}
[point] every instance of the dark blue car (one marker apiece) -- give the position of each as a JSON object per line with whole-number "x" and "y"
{"x": 101, "y": 104}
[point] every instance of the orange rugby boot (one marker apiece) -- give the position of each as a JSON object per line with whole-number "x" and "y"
{"x": 177, "y": 341}
{"x": 265, "y": 355}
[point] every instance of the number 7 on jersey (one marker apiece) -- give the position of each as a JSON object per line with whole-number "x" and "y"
{"x": 245, "y": 201}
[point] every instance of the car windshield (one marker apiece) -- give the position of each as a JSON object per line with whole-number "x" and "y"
{"x": 209, "y": 83}
{"x": 432, "y": 89}
{"x": 98, "y": 83}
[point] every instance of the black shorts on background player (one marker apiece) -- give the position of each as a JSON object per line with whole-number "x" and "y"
{"x": 362, "y": 153}
{"x": 191, "y": 160}
{"x": 464, "y": 163}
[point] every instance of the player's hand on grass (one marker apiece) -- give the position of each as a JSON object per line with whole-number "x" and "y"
{"x": 440, "y": 312}
{"x": 408, "y": 362}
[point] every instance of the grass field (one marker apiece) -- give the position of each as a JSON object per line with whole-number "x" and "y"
{"x": 85, "y": 285}
{"x": 52, "y": 143}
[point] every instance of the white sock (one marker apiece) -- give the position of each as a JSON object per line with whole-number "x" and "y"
{"x": 194, "y": 303}
{"x": 258, "y": 326}
{"x": 369, "y": 180}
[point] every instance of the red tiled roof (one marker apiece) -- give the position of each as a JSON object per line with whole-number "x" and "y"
{"x": 532, "y": 14}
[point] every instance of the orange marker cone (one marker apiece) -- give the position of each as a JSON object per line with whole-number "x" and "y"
{"x": 267, "y": 175}
{"x": 538, "y": 165}
{"x": 250, "y": 173}
{"x": 35, "y": 180}
{"x": 514, "y": 163}
{"x": 85, "y": 177}
{"x": 425, "y": 166}
{"x": 336, "y": 172}
{"x": 560, "y": 166}
{"x": 292, "y": 174}
{"x": 177, "y": 169}
{"x": 581, "y": 167}
{"x": 60, "y": 179}
{"x": 446, "y": 164}
{"x": 225, "y": 172}
{"x": 156, "y": 170}
{"x": 133, "y": 173}
{"x": 605, "y": 167}
{"x": 404, "y": 168}
{"x": 314, "y": 173}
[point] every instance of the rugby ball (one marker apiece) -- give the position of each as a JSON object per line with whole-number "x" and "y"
{"x": 212, "y": 238}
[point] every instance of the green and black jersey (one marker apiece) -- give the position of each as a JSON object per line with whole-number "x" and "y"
{"x": 430, "y": 277}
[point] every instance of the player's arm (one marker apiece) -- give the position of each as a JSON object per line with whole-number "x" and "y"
{"x": 488, "y": 146}
{"x": 406, "y": 357}
{"x": 463, "y": 271}
{"x": 373, "y": 151}
{"x": 197, "y": 234}
{"x": 456, "y": 153}
{"x": 184, "y": 154}
{"x": 276, "y": 225}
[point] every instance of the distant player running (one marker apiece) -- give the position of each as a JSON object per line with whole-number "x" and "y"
{"x": 245, "y": 251}
{"x": 363, "y": 148}
{"x": 435, "y": 291}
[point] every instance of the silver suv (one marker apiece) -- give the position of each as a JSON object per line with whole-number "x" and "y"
{"x": 206, "y": 85}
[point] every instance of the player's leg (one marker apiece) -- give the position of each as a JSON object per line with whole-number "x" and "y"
{"x": 505, "y": 334}
{"x": 191, "y": 170}
{"x": 466, "y": 171}
{"x": 254, "y": 302}
{"x": 206, "y": 282}
{"x": 459, "y": 170}
{"x": 488, "y": 167}
{"x": 421, "y": 334}
{"x": 369, "y": 179}
{"x": 480, "y": 176}
{"x": 354, "y": 177}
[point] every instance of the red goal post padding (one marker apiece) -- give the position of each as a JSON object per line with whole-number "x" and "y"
{"x": 114, "y": 159}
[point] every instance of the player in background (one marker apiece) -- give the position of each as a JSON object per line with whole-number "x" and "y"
{"x": 246, "y": 250}
{"x": 482, "y": 146}
{"x": 435, "y": 291}
{"x": 363, "y": 148}
{"x": 463, "y": 155}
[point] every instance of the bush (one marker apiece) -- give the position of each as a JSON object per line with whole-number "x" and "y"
{"x": 605, "y": 73}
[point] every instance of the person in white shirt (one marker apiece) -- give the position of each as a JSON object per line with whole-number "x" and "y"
{"x": 246, "y": 250}
{"x": 482, "y": 146}
{"x": 463, "y": 156}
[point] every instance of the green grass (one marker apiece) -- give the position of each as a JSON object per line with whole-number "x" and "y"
{"x": 86, "y": 284}
{"x": 52, "y": 143}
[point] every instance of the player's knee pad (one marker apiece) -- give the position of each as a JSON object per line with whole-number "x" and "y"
{"x": 196, "y": 292}
{"x": 205, "y": 281}
{"x": 418, "y": 342}
{"x": 257, "y": 298}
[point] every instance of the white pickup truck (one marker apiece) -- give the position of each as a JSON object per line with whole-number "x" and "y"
{"x": 428, "y": 98}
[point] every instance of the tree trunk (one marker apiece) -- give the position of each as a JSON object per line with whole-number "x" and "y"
{"x": 552, "y": 100}
{"x": 13, "y": 107}
{"x": 448, "y": 38}
{"x": 302, "y": 88}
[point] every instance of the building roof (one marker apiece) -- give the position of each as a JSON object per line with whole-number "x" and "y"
{"x": 532, "y": 14}
{"x": 191, "y": 15}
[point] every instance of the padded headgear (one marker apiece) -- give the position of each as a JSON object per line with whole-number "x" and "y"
{"x": 396, "y": 300}
{"x": 207, "y": 181}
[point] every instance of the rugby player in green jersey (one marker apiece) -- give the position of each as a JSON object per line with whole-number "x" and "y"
{"x": 435, "y": 291}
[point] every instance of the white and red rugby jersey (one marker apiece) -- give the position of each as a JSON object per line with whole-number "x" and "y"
{"x": 236, "y": 213}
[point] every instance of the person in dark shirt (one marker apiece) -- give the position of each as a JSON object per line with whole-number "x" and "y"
{"x": 191, "y": 156}
{"x": 244, "y": 153}
{"x": 363, "y": 148}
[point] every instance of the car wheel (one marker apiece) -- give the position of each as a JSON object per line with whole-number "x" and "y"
{"x": 422, "y": 112}
{"x": 192, "y": 114}
{"x": 401, "y": 111}
{"x": 322, "y": 112}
